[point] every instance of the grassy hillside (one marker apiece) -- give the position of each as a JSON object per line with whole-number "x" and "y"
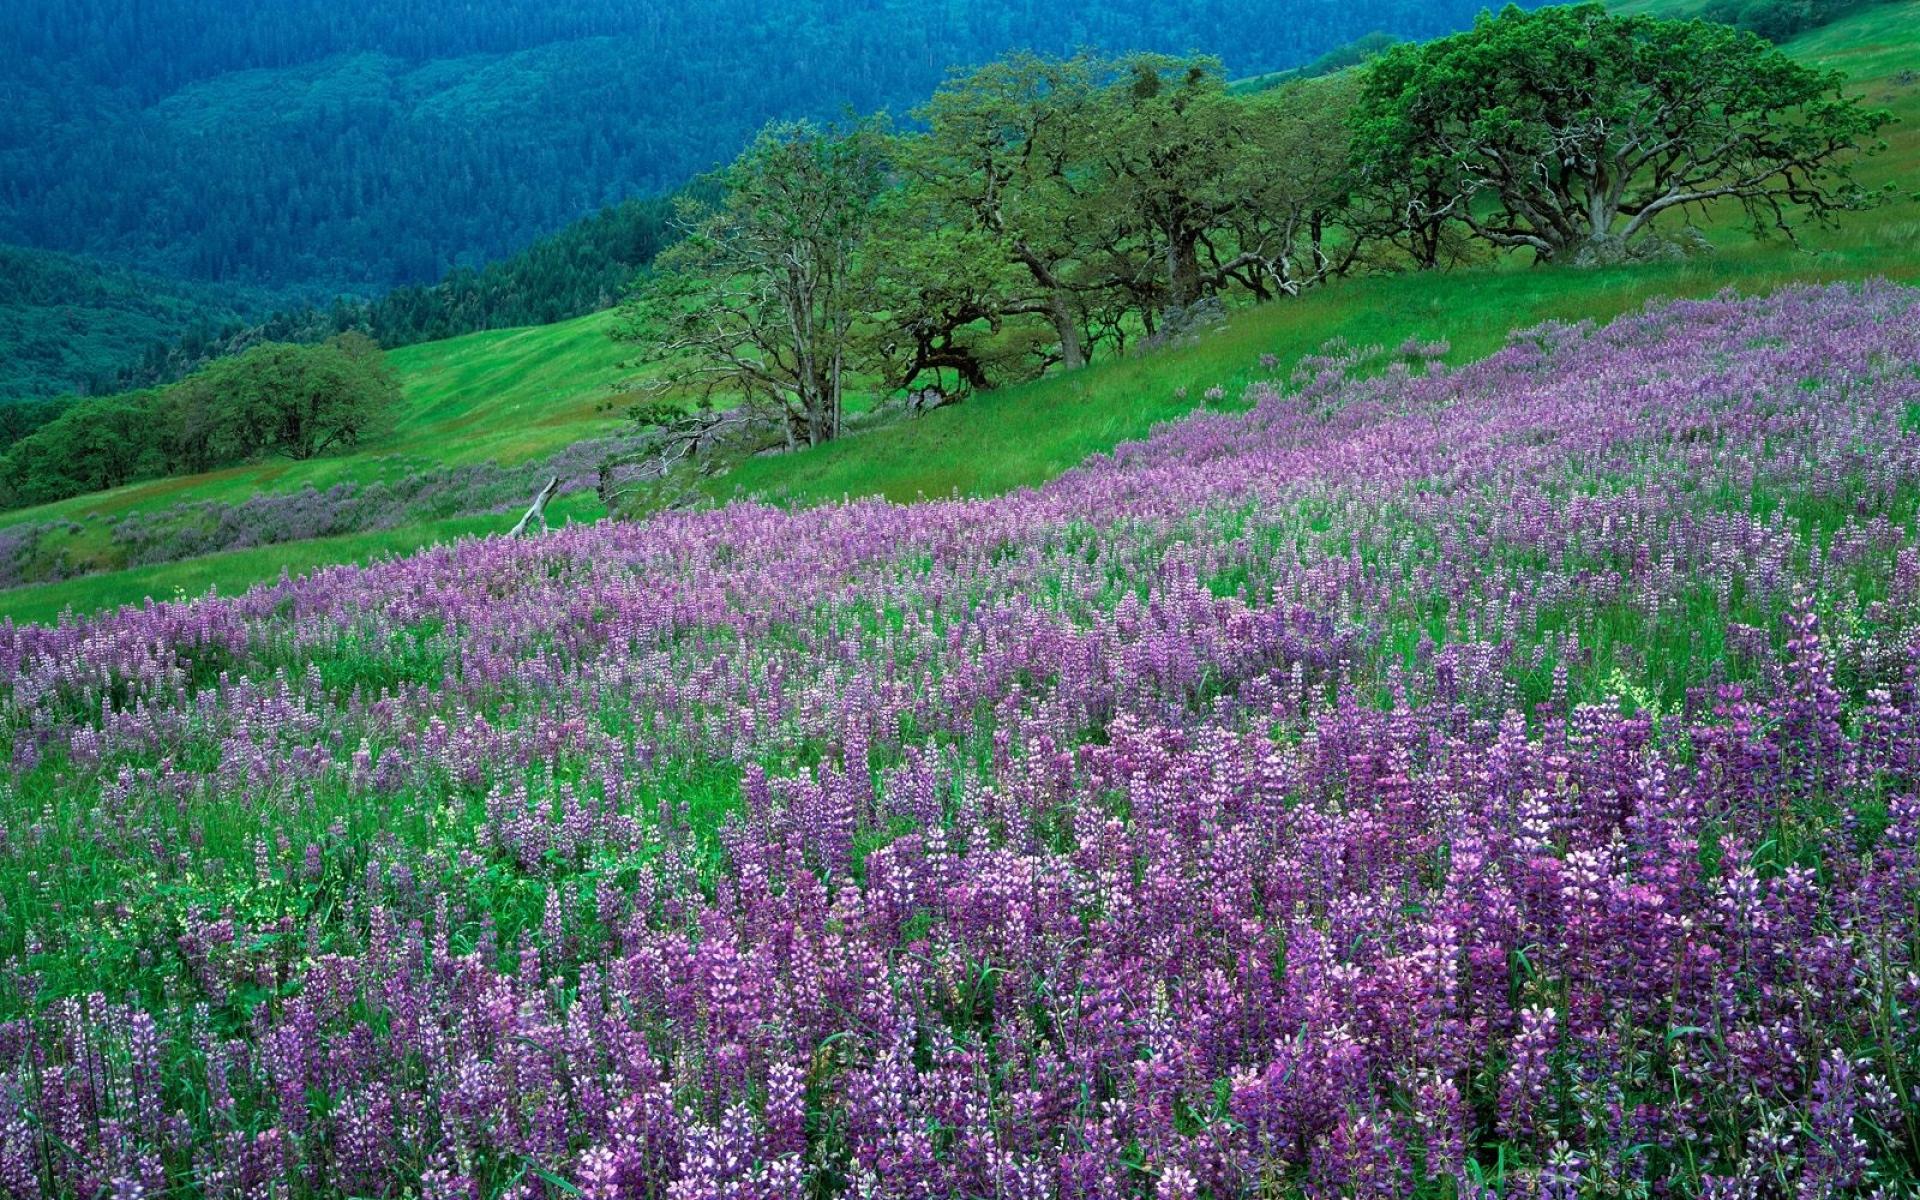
{"x": 518, "y": 394}
{"x": 510, "y": 395}
{"x": 506, "y": 395}
{"x": 1024, "y": 435}
{"x": 1356, "y": 797}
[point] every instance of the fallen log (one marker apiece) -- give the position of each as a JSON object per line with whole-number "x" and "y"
{"x": 539, "y": 510}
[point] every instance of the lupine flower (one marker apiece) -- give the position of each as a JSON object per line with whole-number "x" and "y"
{"x": 1502, "y": 775}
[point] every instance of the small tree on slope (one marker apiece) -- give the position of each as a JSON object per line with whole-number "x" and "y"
{"x": 761, "y": 299}
{"x": 1569, "y": 129}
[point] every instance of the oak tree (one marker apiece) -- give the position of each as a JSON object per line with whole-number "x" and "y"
{"x": 1571, "y": 131}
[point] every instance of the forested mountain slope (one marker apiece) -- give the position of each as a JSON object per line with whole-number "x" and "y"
{"x": 73, "y": 325}
{"x": 507, "y": 401}
{"x": 376, "y": 144}
{"x": 69, "y": 324}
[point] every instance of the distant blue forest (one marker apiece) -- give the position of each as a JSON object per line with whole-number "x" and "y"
{"x": 323, "y": 146}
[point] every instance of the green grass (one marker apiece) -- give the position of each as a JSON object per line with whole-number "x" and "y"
{"x": 508, "y": 395}
{"x": 517, "y": 394}
{"x": 511, "y": 395}
{"x": 1876, "y": 43}
{"x": 1025, "y": 435}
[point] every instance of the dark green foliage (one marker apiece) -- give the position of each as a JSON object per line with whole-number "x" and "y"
{"x": 584, "y": 267}
{"x": 22, "y": 417}
{"x": 314, "y": 154}
{"x": 1355, "y": 53}
{"x": 98, "y": 442}
{"x": 360, "y": 146}
{"x": 70, "y": 325}
{"x": 1571, "y": 132}
{"x": 759, "y": 302}
{"x": 1048, "y": 209}
{"x": 1779, "y": 20}
{"x": 278, "y": 398}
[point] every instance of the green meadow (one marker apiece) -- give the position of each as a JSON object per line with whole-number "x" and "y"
{"x": 516, "y": 395}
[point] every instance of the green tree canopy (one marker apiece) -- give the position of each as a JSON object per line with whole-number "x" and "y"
{"x": 759, "y": 301}
{"x": 296, "y": 401}
{"x": 1569, "y": 130}
{"x": 279, "y": 398}
{"x": 1171, "y": 140}
{"x": 1004, "y": 159}
{"x": 98, "y": 442}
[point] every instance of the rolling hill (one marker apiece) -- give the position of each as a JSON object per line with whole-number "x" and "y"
{"x": 1360, "y": 795}
{"x": 1471, "y": 752}
{"x": 517, "y": 395}
{"x": 289, "y": 153}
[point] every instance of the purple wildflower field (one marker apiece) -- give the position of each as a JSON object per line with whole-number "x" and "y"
{"x": 1501, "y": 780}
{"x": 29, "y": 550}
